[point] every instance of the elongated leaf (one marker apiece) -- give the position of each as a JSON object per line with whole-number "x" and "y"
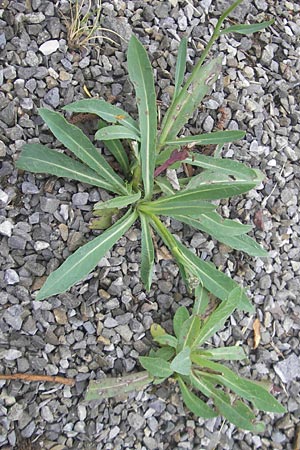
{"x": 241, "y": 416}
{"x": 165, "y": 353}
{"x": 218, "y": 318}
{"x": 116, "y": 132}
{"x": 140, "y": 73}
{"x": 180, "y": 66}
{"x": 233, "y": 353}
{"x": 193, "y": 332}
{"x": 182, "y": 362}
{"x": 201, "y": 300}
{"x": 39, "y": 159}
{"x": 114, "y": 387}
{"x": 156, "y": 367}
{"x": 164, "y": 185}
{"x": 247, "y": 389}
{"x": 77, "y": 142}
{"x": 118, "y": 202}
{"x": 147, "y": 261}
{"x": 184, "y": 333}
{"x": 223, "y": 166}
{"x": 166, "y": 339}
{"x": 180, "y": 317}
{"x": 175, "y": 206}
{"x": 105, "y": 110}
{"x": 196, "y": 87}
{"x": 217, "y": 137}
{"x": 243, "y": 243}
{"x": 247, "y": 29}
{"x": 213, "y": 222}
{"x": 117, "y": 150}
{"x": 80, "y": 264}
{"x": 194, "y": 403}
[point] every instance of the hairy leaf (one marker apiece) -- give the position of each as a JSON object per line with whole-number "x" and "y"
{"x": 118, "y": 202}
{"x": 180, "y": 317}
{"x": 147, "y": 261}
{"x": 194, "y": 403}
{"x": 217, "y": 137}
{"x": 116, "y": 132}
{"x": 156, "y": 367}
{"x": 233, "y": 353}
{"x": 182, "y": 362}
{"x": 117, "y": 150}
{"x": 180, "y": 66}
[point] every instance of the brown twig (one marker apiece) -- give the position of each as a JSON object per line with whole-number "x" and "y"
{"x": 43, "y": 378}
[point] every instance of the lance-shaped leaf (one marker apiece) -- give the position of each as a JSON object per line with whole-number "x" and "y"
{"x": 80, "y": 263}
{"x": 156, "y": 367}
{"x": 165, "y": 353}
{"x": 105, "y": 111}
{"x": 77, "y": 142}
{"x": 192, "y": 334}
{"x": 194, "y": 403}
{"x": 39, "y": 159}
{"x": 174, "y": 206}
{"x": 166, "y": 339}
{"x": 117, "y": 150}
{"x": 213, "y": 223}
{"x": 114, "y": 387}
{"x": 181, "y": 110}
{"x": 247, "y": 29}
{"x": 180, "y": 66}
{"x": 140, "y": 73}
{"x": 217, "y": 137}
{"x": 232, "y": 353}
{"x": 182, "y": 362}
{"x": 147, "y": 261}
{"x": 224, "y": 166}
{"x": 239, "y": 414}
{"x": 218, "y": 318}
{"x": 247, "y": 389}
{"x": 201, "y": 300}
{"x": 244, "y": 243}
{"x": 118, "y": 202}
{"x": 116, "y": 132}
{"x": 180, "y": 317}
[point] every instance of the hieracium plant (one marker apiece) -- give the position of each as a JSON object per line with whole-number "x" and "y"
{"x": 144, "y": 151}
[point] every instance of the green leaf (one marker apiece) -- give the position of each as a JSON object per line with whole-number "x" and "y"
{"x": 116, "y": 132}
{"x": 201, "y": 300}
{"x": 180, "y": 66}
{"x": 118, "y": 202}
{"x": 212, "y": 279}
{"x": 240, "y": 416}
{"x": 193, "y": 332}
{"x": 233, "y": 353}
{"x": 166, "y": 339}
{"x": 77, "y": 142}
{"x": 217, "y": 137}
{"x": 182, "y": 362}
{"x": 181, "y": 315}
{"x": 244, "y": 243}
{"x": 194, "y": 403}
{"x": 223, "y": 166}
{"x": 105, "y": 110}
{"x": 80, "y": 264}
{"x": 117, "y": 150}
{"x": 147, "y": 261}
{"x": 249, "y": 390}
{"x": 157, "y": 367}
{"x": 104, "y": 219}
{"x": 114, "y": 387}
{"x": 156, "y": 330}
{"x": 39, "y": 159}
{"x": 175, "y": 205}
{"x": 165, "y": 353}
{"x": 164, "y": 185}
{"x": 140, "y": 74}
{"x": 196, "y": 87}
{"x": 217, "y": 319}
{"x": 247, "y": 29}
{"x": 212, "y": 223}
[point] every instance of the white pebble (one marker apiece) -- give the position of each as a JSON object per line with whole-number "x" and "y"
{"x": 49, "y": 47}
{"x": 40, "y": 245}
{"x": 6, "y": 227}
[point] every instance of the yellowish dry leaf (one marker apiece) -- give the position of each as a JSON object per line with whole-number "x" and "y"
{"x": 257, "y": 336}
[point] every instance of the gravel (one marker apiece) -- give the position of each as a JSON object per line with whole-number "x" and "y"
{"x": 102, "y": 325}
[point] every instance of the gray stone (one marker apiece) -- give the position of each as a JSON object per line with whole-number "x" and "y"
{"x": 10, "y": 354}
{"x": 35, "y": 268}
{"x": 75, "y": 240}
{"x": 35, "y": 17}
{"x": 136, "y": 421}
{"x": 80, "y": 199}
{"x": 26, "y": 104}
{"x": 265, "y": 282}
{"x": 52, "y": 97}
{"x": 267, "y": 54}
{"x": 165, "y": 286}
{"x": 49, "y": 205}
{"x": 40, "y": 245}
{"x": 13, "y": 317}
{"x": 85, "y": 62}
{"x": 32, "y": 59}
{"x": 6, "y": 228}
{"x": 46, "y": 414}
{"x": 15, "y": 133}
{"x": 17, "y": 242}
{"x": 110, "y": 323}
{"x": 54, "y": 27}
{"x": 288, "y": 369}
{"x": 125, "y": 332}
{"x": 29, "y": 188}
{"x": 2, "y": 41}
{"x": 116, "y": 287}
{"x": 261, "y": 4}
{"x": 11, "y": 276}
{"x": 148, "y": 13}
{"x": 9, "y": 73}
{"x": 49, "y": 47}
{"x": 162, "y": 10}
{"x": 150, "y": 443}
{"x": 2, "y": 149}
{"x": 208, "y": 124}
{"x": 89, "y": 327}
{"x": 8, "y": 114}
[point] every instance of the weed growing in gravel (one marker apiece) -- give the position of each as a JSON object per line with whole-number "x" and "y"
{"x": 141, "y": 188}
{"x": 185, "y": 359}
{"x": 83, "y": 27}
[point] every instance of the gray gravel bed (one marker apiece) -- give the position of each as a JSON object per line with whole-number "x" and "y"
{"x": 102, "y": 325}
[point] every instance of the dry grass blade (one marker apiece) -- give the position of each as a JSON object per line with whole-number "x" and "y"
{"x": 84, "y": 27}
